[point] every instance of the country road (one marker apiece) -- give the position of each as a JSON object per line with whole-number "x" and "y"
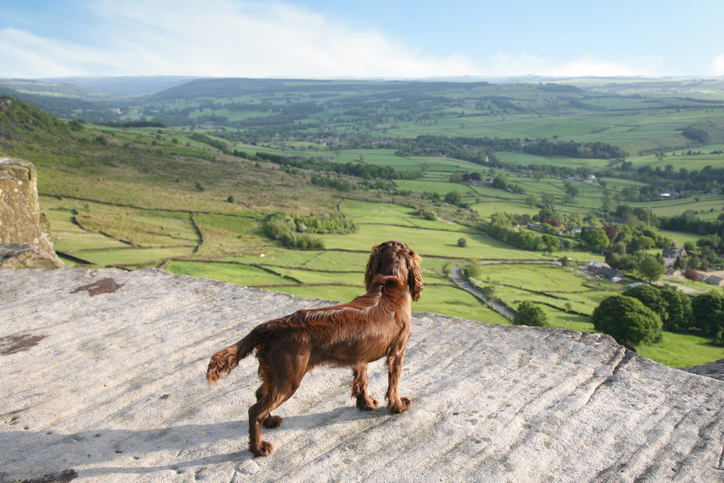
{"x": 457, "y": 276}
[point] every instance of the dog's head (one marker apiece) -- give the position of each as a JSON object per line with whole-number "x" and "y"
{"x": 395, "y": 258}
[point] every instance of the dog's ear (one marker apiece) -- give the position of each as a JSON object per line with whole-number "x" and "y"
{"x": 414, "y": 275}
{"x": 373, "y": 265}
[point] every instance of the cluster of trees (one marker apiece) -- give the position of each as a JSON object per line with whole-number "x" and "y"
{"x": 640, "y": 314}
{"x": 366, "y": 171}
{"x": 474, "y": 150}
{"x": 500, "y": 228}
{"x": 596, "y": 150}
{"x": 296, "y": 231}
{"x": 689, "y": 222}
{"x": 336, "y": 183}
{"x": 477, "y": 149}
{"x": 501, "y": 182}
{"x": 696, "y": 134}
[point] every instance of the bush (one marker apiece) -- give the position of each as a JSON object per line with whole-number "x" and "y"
{"x": 462, "y": 242}
{"x": 429, "y": 215}
{"x": 473, "y": 269}
{"x": 529, "y": 314}
{"x": 627, "y": 318}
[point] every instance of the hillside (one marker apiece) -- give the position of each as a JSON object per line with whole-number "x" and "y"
{"x": 208, "y": 206}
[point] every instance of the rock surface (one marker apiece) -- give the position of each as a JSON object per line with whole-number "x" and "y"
{"x": 714, "y": 370}
{"x": 24, "y": 255}
{"x": 102, "y": 378}
{"x": 21, "y": 220}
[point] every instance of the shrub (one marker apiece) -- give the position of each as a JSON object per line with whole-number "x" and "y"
{"x": 462, "y": 242}
{"x": 429, "y": 215}
{"x": 627, "y": 318}
{"x": 473, "y": 269}
{"x": 529, "y": 314}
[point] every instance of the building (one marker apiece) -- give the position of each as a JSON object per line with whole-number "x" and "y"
{"x": 673, "y": 253}
{"x": 614, "y": 275}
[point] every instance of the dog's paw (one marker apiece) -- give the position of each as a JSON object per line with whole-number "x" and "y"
{"x": 367, "y": 404}
{"x": 264, "y": 449}
{"x": 272, "y": 422}
{"x": 401, "y": 406}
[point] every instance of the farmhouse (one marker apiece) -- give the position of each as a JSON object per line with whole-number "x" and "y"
{"x": 614, "y": 275}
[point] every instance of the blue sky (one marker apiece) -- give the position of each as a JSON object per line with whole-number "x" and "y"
{"x": 371, "y": 38}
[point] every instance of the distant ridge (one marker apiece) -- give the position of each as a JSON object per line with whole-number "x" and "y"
{"x": 126, "y": 85}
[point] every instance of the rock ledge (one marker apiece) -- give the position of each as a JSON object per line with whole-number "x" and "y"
{"x": 102, "y": 378}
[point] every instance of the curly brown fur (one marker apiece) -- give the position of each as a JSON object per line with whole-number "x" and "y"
{"x": 375, "y": 325}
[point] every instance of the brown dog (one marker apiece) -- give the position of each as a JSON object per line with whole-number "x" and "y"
{"x": 370, "y": 327}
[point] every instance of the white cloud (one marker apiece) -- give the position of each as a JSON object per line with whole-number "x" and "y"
{"x": 220, "y": 38}
{"x": 502, "y": 64}
{"x": 717, "y": 65}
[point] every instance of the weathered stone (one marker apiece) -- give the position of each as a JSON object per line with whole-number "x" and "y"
{"x": 113, "y": 389}
{"x": 714, "y": 370}
{"x": 21, "y": 220}
{"x": 25, "y": 255}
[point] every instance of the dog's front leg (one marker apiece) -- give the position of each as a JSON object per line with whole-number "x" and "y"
{"x": 359, "y": 388}
{"x": 395, "y": 360}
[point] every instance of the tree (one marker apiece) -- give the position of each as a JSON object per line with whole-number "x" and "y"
{"x": 627, "y": 318}
{"x": 706, "y": 310}
{"x": 531, "y": 200}
{"x": 650, "y": 269}
{"x": 570, "y": 189}
{"x": 596, "y": 239}
{"x": 501, "y": 182}
{"x": 429, "y": 215}
{"x": 548, "y": 199}
{"x": 489, "y": 293}
{"x": 473, "y": 269}
{"x": 691, "y": 274}
{"x": 551, "y": 242}
{"x": 679, "y": 310}
{"x": 630, "y": 193}
{"x": 538, "y": 175}
{"x": 462, "y": 242}
{"x": 651, "y": 298}
{"x": 529, "y": 314}
{"x": 454, "y": 198}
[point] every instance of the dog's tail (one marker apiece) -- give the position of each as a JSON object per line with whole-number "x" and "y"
{"x": 224, "y": 361}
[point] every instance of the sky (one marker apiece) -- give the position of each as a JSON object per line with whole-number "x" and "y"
{"x": 361, "y": 39}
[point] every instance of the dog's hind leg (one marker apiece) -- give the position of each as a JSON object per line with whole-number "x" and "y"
{"x": 271, "y": 421}
{"x": 281, "y": 377}
{"x": 359, "y": 388}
